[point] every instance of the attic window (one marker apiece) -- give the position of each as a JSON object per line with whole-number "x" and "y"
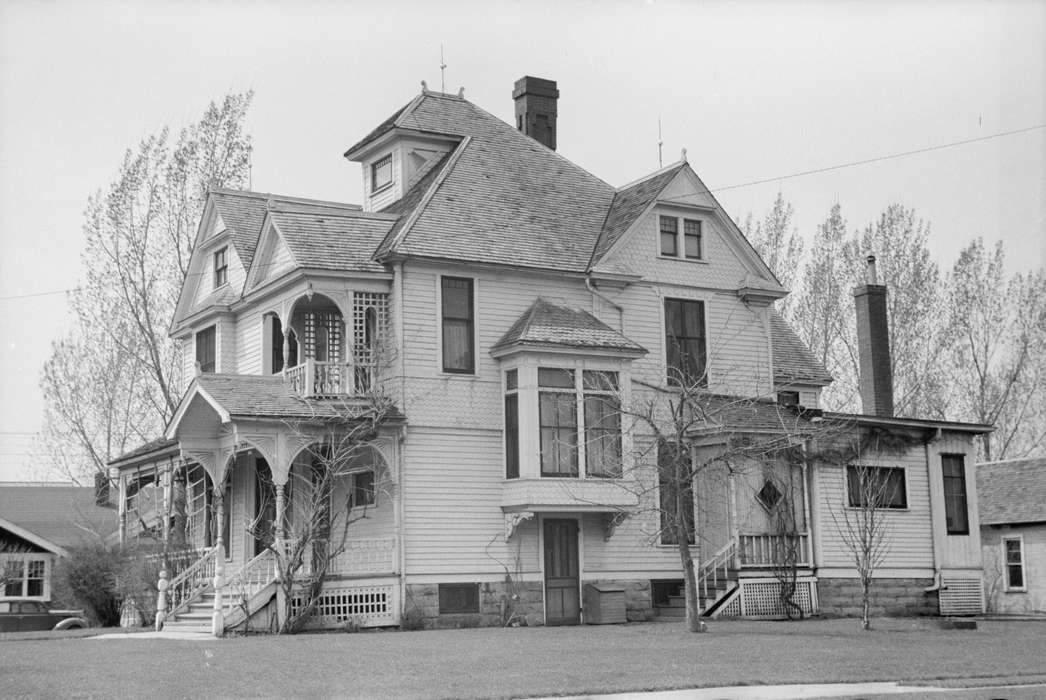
{"x": 381, "y": 173}
{"x": 688, "y": 247}
{"x": 221, "y": 267}
{"x": 768, "y": 496}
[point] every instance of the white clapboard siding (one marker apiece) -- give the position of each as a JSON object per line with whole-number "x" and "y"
{"x": 249, "y": 341}
{"x": 226, "y": 345}
{"x": 910, "y": 540}
{"x": 954, "y": 551}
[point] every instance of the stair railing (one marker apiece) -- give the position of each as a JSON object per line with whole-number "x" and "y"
{"x": 716, "y": 568}
{"x": 251, "y": 578}
{"x": 186, "y": 587}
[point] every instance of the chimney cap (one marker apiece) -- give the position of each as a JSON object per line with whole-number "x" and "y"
{"x": 528, "y": 84}
{"x": 870, "y": 275}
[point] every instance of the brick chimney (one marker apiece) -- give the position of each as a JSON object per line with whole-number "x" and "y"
{"x": 536, "y": 109}
{"x": 873, "y": 344}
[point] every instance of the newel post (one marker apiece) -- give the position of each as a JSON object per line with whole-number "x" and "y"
{"x": 310, "y": 376}
{"x": 217, "y": 616}
{"x": 161, "y": 599}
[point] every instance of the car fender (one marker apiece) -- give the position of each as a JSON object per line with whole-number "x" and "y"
{"x": 71, "y": 623}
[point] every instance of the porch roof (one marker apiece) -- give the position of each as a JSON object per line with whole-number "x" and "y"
{"x": 247, "y": 396}
{"x": 746, "y": 414}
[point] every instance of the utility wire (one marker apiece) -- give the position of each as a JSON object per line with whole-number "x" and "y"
{"x": 751, "y": 183}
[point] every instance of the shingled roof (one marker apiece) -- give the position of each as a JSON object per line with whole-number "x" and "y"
{"x": 62, "y": 515}
{"x": 628, "y": 205}
{"x": 505, "y": 199}
{"x": 331, "y": 237}
{"x": 1012, "y": 492}
{"x": 547, "y": 324}
{"x": 793, "y": 361}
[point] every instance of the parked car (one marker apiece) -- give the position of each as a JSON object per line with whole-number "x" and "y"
{"x": 29, "y": 615}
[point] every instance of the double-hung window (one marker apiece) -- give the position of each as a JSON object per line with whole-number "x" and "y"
{"x": 456, "y": 300}
{"x": 557, "y": 418}
{"x": 205, "y": 349}
{"x": 685, "y": 350}
{"x": 221, "y": 267}
{"x": 876, "y": 487}
{"x": 602, "y": 424}
{"x": 1013, "y": 560}
{"x": 512, "y": 424}
{"x": 690, "y": 248}
{"x": 956, "y": 513}
{"x": 23, "y": 576}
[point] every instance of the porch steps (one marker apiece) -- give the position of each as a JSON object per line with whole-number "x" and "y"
{"x": 197, "y": 618}
{"x": 676, "y": 607}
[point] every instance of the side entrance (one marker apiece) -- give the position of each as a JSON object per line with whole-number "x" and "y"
{"x": 562, "y": 589}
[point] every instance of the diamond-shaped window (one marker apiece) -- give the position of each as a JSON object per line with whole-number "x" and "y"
{"x": 769, "y": 496}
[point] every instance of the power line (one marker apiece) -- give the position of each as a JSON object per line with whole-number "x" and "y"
{"x": 751, "y": 183}
{"x": 878, "y": 159}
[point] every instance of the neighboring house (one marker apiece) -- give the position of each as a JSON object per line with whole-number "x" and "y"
{"x": 38, "y": 524}
{"x": 514, "y": 307}
{"x": 1013, "y": 534}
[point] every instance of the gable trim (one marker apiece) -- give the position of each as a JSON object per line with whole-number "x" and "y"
{"x": 32, "y": 537}
{"x": 263, "y": 254}
{"x": 183, "y": 408}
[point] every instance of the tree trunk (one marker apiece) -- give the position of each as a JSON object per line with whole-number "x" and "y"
{"x": 693, "y": 610}
{"x": 865, "y": 595}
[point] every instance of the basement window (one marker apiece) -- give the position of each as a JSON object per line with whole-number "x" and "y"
{"x": 458, "y": 598}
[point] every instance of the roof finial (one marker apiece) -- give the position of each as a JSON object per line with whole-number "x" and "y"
{"x": 682, "y": 156}
{"x": 461, "y": 91}
{"x": 442, "y": 71}
{"x": 424, "y": 88}
{"x": 660, "y": 143}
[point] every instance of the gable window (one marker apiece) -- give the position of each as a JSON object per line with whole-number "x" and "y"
{"x": 205, "y": 355}
{"x": 381, "y": 173}
{"x": 221, "y": 267}
{"x": 1013, "y": 560}
{"x": 458, "y": 325}
{"x": 876, "y": 487}
{"x": 557, "y": 418}
{"x": 669, "y": 226}
{"x": 685, "y": 351}
{"x": 676, "y": 493}
{"x": 691, "y": 239}
{"x": 956, "y": 513}
{"x": 512, "y": 424}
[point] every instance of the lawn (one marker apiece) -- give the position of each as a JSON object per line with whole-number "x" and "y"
{"x": 481, "y": 663}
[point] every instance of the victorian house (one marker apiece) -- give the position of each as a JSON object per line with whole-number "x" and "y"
{"x": 508, "y": 311}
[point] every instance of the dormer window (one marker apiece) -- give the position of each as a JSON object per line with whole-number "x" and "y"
{"x": 381, "y": 173}
{"x": 690, "y": 247}
{"x": 221, "y": 268}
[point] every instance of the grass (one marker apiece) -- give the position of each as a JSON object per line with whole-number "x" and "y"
{"x": 482, "y": 663}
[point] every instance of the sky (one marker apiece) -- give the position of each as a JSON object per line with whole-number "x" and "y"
{"x": 755, "y": 91}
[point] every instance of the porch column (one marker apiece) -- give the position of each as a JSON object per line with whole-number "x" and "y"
{"x": 167, "y": 476}
{"x": 121, "y": 508}
{"x": 734, "y": 531}
{"x": 806, "y": 514}
{"x": 286, "y": 346}
{"x": 217, "y": 616}
{"x": 281, "y": 508}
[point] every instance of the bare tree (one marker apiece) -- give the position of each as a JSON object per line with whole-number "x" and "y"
{"x": 996, "y": 332}
{"x": 115, "y": 380}
{"x": 782, "y": 495}
{"x": 779, "y": 244}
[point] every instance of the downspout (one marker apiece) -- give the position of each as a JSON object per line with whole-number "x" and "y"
{"x": 400, "y": 549}
{"x": 604, "y": 298}
{"x": 938, "y": 576}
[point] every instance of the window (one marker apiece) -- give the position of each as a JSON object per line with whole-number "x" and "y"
{"x": 685, "y": 342}
{"x": 788, "y": 398}
{"x": 876, "y": 487}
{"x": 363, "y": 493}
{"x": 602, "y": 424}
{"x": 23, "y": 577}
{"x": 769, "y": 496}
{"x": 676, "y": 490}
{"x": 458, "y": 325}
{"x": 205, "y": 349}
{"x": 381, "y": 173}
{"x": 669, "y": 236}
{"x": 221, "y": 267}
{"x": 691, "y": 239}
{"x": 557, "y": 418}
{"x": 511, "y": 424}
{"x": 956, "y": 513}
{"x": 1013, "y": 560}
{"x": 458, "y": 598}
{"x": 691, "y": 248}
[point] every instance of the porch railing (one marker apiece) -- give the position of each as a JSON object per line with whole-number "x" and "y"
{"x": 716, "y": 569}
{"x": 365, "y": 555}
{"x": 763, "y": 550}
{"x": 186, "y": 586}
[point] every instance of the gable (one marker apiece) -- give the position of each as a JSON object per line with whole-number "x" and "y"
{"x": 727, "y": 261}
{"x": 272, "y": 258}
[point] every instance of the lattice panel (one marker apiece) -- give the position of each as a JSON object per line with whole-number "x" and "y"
{"x": 962, "y": 596}
{"x": 763, "y": 598}
{"x": 368, "y": 606}
{"x": 731, "y": 609}
{"x": 370, "y": 322}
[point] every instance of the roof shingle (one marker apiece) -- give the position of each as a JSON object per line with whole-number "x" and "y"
{"x": 64, "y": 515}
{"x": 793, "y": 361}
{"x": 1012, "y": 492}
{"x": 545, "y": 323}
{"x": 629, "y": 203}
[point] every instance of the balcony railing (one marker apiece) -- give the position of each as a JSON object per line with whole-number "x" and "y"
{"x": 763, "y": 551}
{"x": 316, "y": 379}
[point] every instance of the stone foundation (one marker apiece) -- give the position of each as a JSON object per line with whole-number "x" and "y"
{"x": 895, "y": 597}
{"x": 523, "y": 602}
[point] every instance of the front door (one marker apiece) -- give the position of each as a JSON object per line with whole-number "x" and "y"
{"x": 562, "y": 594}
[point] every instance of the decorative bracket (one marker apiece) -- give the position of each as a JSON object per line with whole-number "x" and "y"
{"x": 514, "y": 520}
{"x": 611, "y": 521}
